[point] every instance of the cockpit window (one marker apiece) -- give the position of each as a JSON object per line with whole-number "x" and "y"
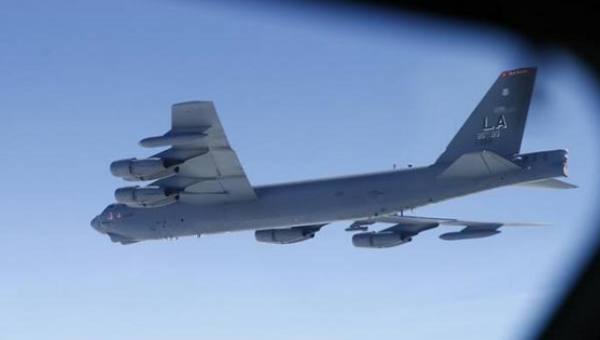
{"x": 111, "y": 216}
{"x": 111, "y": 213}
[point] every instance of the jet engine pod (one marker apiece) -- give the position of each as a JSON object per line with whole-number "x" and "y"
{"x": 138, "y": 169}
{"x": 382, "y": 239}
{"x": 143, "y": 196}
{"x": 285, "y": 236}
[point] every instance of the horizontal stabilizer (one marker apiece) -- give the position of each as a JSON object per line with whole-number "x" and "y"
{"x": 477, "y": 165}
{"x": 549, "y": 183}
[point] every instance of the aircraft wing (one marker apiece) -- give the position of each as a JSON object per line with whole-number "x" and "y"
{"x": 447, "y": 221}
{"x": 208, "y": 169}
{"x": 413, "y": 225}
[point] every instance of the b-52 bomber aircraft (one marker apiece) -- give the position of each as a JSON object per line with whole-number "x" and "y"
{"x": 199, "y": 187}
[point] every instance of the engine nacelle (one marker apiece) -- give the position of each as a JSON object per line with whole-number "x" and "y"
{"x": 383, "y": 239}
{"x": 138, "y": 169}
{"x": 144, "y": 196}
{"x": 285, "y": 236}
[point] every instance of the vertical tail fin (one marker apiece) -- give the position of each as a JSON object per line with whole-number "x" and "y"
{"x": 498, "y": 122}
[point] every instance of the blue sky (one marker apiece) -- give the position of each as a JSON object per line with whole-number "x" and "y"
{"x": 302, "y": 93}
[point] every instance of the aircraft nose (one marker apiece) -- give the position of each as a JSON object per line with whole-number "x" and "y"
{"x": 95, "y": 223}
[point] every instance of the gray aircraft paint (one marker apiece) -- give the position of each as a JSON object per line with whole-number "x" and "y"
{"x": 483, "y": 155}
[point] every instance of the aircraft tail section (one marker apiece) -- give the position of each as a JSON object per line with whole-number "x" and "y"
{"x": 498, "y": 122}
{"x": 478, "y": 165}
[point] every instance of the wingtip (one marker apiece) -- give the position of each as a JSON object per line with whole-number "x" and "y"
{"x": 527, "y": 224}
{"x": 192, "y": 103}
{"x": 569, "y": 185}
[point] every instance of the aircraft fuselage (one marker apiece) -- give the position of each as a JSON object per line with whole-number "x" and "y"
{"x": 311, "y": 202}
